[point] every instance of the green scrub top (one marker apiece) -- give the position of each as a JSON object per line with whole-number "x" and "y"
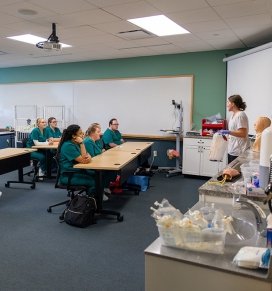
{"x": 100, "y": 143}
{"x": 35, "y": 134}
{"x": 68, "y": 153}
{"x": 50, "y": 132}
{"x": 110, "y": 136}
{"x": 92, "y": 147}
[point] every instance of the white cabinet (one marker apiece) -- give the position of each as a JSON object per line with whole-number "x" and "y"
{"x": 195, "y": 158}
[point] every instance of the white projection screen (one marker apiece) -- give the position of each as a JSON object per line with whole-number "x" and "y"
{"x": 250, "y": 75}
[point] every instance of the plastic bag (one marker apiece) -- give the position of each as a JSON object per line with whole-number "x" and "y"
{"x": 218, "y": 147}
{"x": 165, "y": 212}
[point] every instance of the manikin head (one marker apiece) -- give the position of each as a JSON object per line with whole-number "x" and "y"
{"x": 261, "y": 123}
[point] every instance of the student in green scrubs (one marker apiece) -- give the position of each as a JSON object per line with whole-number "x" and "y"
{"x": 112, "y": 136}
{"x": 38, "y": 134}
{"x": 71, "y": 150}
{"x": 93, "y": 147}
{"x": 92, "y": 140}
{"x": 52, "y": 130}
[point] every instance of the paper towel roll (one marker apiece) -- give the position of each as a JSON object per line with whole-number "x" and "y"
{"x": 266, "y": 147}
{"x": 265, "y": 153}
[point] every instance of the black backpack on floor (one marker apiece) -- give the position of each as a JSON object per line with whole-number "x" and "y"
{"x": 80, "y": 212}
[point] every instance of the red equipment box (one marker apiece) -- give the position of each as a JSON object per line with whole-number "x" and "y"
{"x": 209, "y": 128}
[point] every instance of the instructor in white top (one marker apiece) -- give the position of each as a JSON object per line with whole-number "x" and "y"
{"x": 238, "y": 127}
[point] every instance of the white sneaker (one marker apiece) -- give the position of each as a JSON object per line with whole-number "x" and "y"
{"x": 105, "y": 197}
{"x": 107, "y": 191}
{"x": 41, "y": 173}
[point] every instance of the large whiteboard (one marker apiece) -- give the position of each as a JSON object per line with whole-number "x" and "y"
{"x": 141, "y": 105}
{"x": 251, "y": 76}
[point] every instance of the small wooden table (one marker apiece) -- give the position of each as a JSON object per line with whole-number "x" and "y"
{"x": 12, "y": 159}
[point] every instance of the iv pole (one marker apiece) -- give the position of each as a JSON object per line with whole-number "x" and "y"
{"x": 177, "y": 170}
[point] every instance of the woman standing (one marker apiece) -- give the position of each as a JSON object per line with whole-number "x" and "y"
{"x": 238, "y": 127}
{"x": 71, "y": 150}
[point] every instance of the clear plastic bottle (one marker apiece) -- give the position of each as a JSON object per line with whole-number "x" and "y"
{"x": 217, "y": 221}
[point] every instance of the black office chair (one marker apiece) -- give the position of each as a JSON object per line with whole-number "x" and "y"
{"x": 76, "y": 189}
{"x": 71, "y": 189}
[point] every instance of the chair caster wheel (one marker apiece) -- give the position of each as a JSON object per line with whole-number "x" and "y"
{"x": 120, "y": 218}
{"x": 49, "y": 210}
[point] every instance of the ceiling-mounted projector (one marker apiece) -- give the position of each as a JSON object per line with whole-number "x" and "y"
{"x": 52, "y": 43}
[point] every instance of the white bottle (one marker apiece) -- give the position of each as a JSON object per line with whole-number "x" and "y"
{"x": 217, "y": 221}
{"x": 265, "y": 153}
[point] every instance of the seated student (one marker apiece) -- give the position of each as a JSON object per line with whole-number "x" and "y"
{"x": 52, "y": 130}
{"x": 93, "y": 147}
{"x": 99, "y": 142}
{"x": 71, "y": 150}
{"x": 38, "y": 133}
{"x": 112, "y": 136}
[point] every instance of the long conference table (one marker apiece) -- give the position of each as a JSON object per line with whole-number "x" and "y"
{"x": 12, "y": 159}
{"x": 123, "y": 159}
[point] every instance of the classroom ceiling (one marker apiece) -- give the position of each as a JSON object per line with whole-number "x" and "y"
{"x": 97, "y": 29}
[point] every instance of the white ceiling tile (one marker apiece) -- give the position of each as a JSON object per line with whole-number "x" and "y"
{"x": 133, "y": 10}
{"x": 221, "y": 44}
{"x": 115, "y": 27}
{"x": 63, "y": 6}
{"x": 106, "y": 3}
{"x": 13, "y": 10}
{"x": 253, "y": 21}
{"x": 167, "y": 49}
{"x": 178, "y": 5}
{"x": 224, "y": 2}
{"x": 89, "y": 17}
{"x": 206, "y": 26}
{"x": 242, "y": 9}
{"x": 197, "y": 15}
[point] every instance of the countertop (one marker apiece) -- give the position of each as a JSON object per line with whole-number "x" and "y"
{"x": 6, "y": 132}
{"x": 219, "y": 262}
{"x": 227, "y": 190}
{"x": 198, "y": 136}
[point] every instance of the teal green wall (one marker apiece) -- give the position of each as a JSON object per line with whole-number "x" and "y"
{"x": 208, "y": 69}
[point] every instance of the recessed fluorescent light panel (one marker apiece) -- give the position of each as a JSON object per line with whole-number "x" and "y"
{"x": 159, "y": 25}
{"x": 32, "y": 39}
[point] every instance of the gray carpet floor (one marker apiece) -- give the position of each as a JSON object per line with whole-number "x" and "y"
{"x": 40, "y": 253}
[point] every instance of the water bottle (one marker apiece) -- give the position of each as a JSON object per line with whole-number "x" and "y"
{"x": 217, "y": 221}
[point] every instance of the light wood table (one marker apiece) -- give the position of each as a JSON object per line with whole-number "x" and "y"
{"x": 121, "y": 160}
{"x": 132, "y": 146}
{"x": 12, "y": 159}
